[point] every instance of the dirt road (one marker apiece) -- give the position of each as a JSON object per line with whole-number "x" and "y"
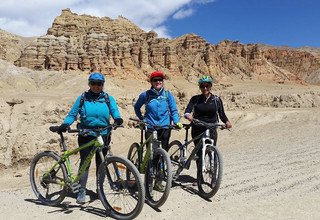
{"x": 271, "y": 171}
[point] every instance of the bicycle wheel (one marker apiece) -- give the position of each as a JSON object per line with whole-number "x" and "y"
{"x": 174, "y": 153}
{"x": 158, "y": 178}
{"x": 209, "y": 179}
{"x": 48, "y": 181}
{"x": 122, "y": 197}
{"x": 133, "y": 155}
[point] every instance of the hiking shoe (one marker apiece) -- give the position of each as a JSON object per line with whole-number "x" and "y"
{"x": 81, "y": 198}
{"x": 158, "y": 186}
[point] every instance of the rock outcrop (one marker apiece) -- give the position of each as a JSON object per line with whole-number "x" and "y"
{"x": 11, "y": 46}
{"x": 83, "y": 42}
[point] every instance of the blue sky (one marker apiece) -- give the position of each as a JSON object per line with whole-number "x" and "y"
{"x": 293, "y": 23}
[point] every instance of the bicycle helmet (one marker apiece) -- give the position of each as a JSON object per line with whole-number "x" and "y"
{"x": 205, "y": 79}
{"x": 156, "y": 74}
{"x": 96, "y": 77}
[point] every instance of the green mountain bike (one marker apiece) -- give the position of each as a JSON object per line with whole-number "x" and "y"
{"x": 154, "y": 162}
{"x": 52, "y": 178}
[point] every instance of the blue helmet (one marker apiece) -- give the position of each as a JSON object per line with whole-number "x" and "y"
{"x": 96, "y": 77}
{"x": 205, "y": 79}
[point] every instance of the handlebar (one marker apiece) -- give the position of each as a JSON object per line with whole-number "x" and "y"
{"x": 84, "y": 131}
{"x": 142, "y": 123}
{"x": 208, "y": 125}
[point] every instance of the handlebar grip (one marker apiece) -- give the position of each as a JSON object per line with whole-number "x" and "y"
{"x": 54, "y": 128}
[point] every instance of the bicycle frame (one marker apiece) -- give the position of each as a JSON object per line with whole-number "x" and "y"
{"x": 205, "y": 138}
{"x": 149, "y": 153}
{"x": 98, "y": 143}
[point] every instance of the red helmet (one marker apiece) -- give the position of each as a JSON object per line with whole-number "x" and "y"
{"x": 156, "y": 74}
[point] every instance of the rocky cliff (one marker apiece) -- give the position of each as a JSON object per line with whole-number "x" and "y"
{"x": 83, "y": 42}
{"x": 11, "y": 46}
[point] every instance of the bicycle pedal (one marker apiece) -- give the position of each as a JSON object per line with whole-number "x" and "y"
{"x": 75, "y": 187}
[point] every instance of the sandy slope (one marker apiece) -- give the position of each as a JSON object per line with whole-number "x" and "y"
{"x": 271, "y": 171}
{"x": 271, "y": 156}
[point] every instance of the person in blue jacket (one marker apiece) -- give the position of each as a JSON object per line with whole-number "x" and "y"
{"x": 95, "y": 108}
{"x": 160, "y": 108}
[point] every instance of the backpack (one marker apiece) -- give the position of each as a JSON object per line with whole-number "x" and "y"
{"x": 149, "y": 96}
{"x": 83, "y": 99}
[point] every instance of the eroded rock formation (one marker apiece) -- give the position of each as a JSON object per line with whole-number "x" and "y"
{"x": 83, "y": 42}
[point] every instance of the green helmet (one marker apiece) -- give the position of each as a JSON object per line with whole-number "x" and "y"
{"x": 205, "y": 79}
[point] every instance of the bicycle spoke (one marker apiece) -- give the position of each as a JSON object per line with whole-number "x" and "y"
{"x": 119, "y": 191}
{"x": 48, "y": 186}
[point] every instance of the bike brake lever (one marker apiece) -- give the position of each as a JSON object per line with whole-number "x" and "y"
{"x": 118, "y": 126}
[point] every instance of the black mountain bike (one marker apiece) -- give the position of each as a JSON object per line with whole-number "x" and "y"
{"x": 209, "y": 179}
{"x": 153, "y": 161}
{"x": 51, "y": 176}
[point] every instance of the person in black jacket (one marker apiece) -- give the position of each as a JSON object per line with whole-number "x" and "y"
{"x": 206, "y": 107}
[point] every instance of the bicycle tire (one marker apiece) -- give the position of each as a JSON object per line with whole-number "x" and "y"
{"x": 174, "y": 151}
{"x": 209, "y": 181}
{"x": 40, "y": 165}
{"x": 134, "y": 156}
{"x": 113, "y": 186}
{"x": 160, "y": 156}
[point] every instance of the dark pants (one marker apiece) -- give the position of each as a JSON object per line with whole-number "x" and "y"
{"x": 197, "y": 130}
{"x": 163, "y": 136}
{"x": 85, "y": 152}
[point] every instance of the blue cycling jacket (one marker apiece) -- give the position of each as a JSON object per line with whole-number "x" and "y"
{"x": 160, "y": 108}
{"x": 94, "y": 112}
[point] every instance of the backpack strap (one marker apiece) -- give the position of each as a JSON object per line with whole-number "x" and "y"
{"x": 148, "y": 97}
{"x": 106, "y": 97}
{"x": 217, "y": 102}
{"x": 83, "y": 99}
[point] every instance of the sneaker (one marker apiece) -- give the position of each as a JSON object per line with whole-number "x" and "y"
{"x": 158, "y": 186}
{"x": 81, "y": 198}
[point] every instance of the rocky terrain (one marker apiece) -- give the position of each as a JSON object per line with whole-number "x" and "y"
{"x": 51, "y": 71}
{"x": 119, "y": 47}
{"x": 271, "y": 95}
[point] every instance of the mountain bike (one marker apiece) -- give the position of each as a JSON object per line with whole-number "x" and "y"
{"x": 51, "y": 176}
{"x": 210, "y": 165}
{"x": 154, "y": 162}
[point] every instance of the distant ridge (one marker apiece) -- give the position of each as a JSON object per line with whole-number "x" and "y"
{"x": 118, "y": 46}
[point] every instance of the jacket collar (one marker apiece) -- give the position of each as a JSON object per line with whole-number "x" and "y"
{"x": 156, "y": 91}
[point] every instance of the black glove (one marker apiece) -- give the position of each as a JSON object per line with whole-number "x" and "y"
{"x": 64, "y": 127}
{"x": 118, "y": 121}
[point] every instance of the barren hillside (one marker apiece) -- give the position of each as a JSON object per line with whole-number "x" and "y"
{"x": 119, "y": 47}
{"x": 271, "y": 95}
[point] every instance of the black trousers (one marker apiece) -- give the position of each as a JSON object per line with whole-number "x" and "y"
{"x": 197, "y": 130}
{"x": 84, "y": 154}
{"x": 163, "y": 136}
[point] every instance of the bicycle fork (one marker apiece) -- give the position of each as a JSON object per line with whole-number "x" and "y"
{"x": 206, "y": 141}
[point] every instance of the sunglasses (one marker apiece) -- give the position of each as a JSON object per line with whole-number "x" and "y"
{"x": 205, "y": 85}
{"x": 96, "y": 83}
{"x": 157, "y": 80}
